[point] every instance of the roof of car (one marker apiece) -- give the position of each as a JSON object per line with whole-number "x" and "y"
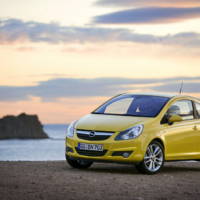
{"x": 153, "y": 94}
{"x": 163, "y": 95}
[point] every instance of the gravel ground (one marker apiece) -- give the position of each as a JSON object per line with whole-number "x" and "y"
{"x": 57, "y": 180}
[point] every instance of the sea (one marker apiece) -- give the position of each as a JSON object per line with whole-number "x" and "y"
{"x": 49, "y": 149}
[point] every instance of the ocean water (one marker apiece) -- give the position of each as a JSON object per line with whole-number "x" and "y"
{"x": 36, "y": 149}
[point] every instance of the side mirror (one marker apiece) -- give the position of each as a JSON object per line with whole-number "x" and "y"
{"x": 174, "y": 118}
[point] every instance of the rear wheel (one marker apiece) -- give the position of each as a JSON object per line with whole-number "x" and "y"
{"x": 79, "y": 163}
{"x": 153, "y": 160}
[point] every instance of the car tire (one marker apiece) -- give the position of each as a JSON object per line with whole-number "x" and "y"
{"x": 78, "y": 163}
{"x": 153, "y": 160}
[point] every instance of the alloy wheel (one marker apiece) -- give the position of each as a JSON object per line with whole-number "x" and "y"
{"x": 153, "y": 159}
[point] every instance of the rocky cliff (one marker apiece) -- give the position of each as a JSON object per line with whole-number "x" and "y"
{"x": 22, "y": 126}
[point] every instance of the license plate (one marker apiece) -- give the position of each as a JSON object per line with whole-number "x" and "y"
{"x": 90, "y": 147}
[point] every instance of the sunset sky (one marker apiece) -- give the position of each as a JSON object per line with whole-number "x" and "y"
{"x": 61, "y": 59}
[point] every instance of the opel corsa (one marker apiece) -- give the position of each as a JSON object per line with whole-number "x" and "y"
{"x": 141, "y": 129}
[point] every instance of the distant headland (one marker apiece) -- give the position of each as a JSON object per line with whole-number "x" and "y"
{"x": 23, "y": 126}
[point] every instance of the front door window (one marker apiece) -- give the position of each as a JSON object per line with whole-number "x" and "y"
{"x": 182, "y": 108}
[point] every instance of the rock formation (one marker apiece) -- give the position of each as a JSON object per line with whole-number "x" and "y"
{"x": 22, "y": 126}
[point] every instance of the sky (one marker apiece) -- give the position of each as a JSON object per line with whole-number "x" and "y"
{"x": 61, "y": 59}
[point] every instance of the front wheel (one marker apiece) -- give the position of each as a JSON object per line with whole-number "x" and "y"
{"x": 153, "y": 160}
{"x": 79, "y": 163}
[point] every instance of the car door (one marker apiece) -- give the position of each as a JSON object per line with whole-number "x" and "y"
{"x": 181, "y": 137}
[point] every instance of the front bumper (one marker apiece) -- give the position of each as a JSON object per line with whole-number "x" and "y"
{"x": 129, "y": 151}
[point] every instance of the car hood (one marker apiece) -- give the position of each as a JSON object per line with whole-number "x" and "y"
{"x": 115, "y": 123}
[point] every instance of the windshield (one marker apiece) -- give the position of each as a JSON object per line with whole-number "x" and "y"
{"x": 133, "y": 105}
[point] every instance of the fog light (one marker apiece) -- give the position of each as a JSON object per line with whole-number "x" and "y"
{"x": 68, "y": 149}
{"x": 126, "y": 155}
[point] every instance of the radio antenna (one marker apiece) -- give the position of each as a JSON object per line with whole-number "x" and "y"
{"x": 181, "y": 88}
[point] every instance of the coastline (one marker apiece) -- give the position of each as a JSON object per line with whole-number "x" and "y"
{"x": 56, "y": 180}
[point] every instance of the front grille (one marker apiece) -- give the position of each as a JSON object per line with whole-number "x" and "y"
{"x": 91, "y": 153}
{"x": 93, "y": 135}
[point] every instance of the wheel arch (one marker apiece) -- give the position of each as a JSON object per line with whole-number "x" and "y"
{"x": 160, "y": 141}
{"x": 157, "y": 139}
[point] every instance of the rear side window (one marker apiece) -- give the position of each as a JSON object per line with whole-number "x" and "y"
{"x": 197, "y": 105}
{"x": 183, "y": 108}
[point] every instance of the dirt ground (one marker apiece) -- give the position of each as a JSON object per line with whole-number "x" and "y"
{"x": 57, "y": 180}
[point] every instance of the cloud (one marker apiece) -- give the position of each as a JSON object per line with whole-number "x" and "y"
{"x": 15, "y": 30}
{"x": 12, "y": 30}
{"x": 172, "y": 87}
{"x": 149, "y": 15}
{"x": 136, "y": 3}
{"x": 54, "y": 89}
{"x": 25, "y": 49}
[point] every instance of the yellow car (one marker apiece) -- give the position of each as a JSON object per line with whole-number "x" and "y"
{"x": 141, "y": 129}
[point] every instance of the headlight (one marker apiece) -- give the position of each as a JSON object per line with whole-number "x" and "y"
{"x": 70, "y": 129}
{"x": 130, "y": 133}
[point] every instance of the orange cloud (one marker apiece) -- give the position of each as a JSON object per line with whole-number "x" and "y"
{"x": 25, "y": 49}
